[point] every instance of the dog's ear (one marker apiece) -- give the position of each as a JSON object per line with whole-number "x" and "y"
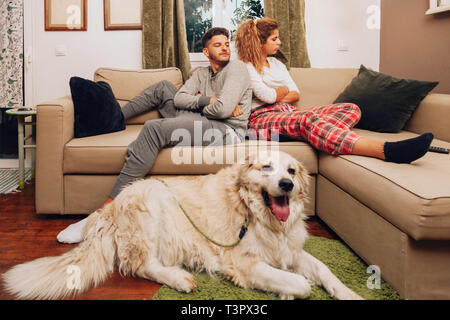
{"x": 244, "y": 165}
{"x": 249, "y": 160}
{"x": 302, "y": 176}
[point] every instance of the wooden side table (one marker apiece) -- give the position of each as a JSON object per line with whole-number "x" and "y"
{"x": 21, "y": 123}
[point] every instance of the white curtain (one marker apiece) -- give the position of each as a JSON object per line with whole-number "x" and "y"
{"x": 11, "y": 53}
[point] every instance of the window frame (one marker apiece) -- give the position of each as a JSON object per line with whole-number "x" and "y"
{"x": 197, "y": 57}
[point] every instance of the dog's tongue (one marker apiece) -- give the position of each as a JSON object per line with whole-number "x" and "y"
{"x": 280, "y": 207}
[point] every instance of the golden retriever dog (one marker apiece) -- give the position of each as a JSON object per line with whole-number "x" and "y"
{"x": 148, "y": 231}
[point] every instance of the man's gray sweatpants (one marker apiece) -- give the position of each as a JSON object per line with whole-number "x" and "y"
{"x": 157, "y": 134}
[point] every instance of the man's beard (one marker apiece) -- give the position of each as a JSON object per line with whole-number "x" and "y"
{"x": 218, "y": 59}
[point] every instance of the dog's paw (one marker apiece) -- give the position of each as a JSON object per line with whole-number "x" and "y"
{"x": 353, "y": 296}
{"x": 302, "y": 288}
{"x": 186, "y": 284}
{"x": 346, "y": 294}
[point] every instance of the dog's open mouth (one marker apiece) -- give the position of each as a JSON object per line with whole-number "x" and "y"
{"x": 279, "y": 206}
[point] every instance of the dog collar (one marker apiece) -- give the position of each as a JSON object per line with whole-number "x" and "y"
{"x": 242, "y": 233}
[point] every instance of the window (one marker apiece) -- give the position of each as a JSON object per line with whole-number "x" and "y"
{"x": 198, "y": 20}
{"x": 202, "y": 15}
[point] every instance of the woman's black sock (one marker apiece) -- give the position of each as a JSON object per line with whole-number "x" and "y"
{"x": 406, "y": 151}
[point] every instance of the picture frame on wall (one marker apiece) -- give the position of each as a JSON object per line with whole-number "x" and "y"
{"x": 65, "y": 15}
{"x": 123, "y": 14}
{"x": 437, "y": 6}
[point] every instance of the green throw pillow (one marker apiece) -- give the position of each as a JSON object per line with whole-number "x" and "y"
{"x": 386, "y": 102}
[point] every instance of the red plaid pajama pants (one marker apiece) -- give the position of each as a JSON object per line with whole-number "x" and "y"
{"x": 326, "y": 128}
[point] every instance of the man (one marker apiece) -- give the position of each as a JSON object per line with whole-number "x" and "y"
{"x": 215, "y": 98}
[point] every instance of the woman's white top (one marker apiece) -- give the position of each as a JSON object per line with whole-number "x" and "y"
{"x": 272, "y": 77}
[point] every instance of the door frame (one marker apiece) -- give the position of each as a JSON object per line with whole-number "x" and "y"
{"x": 30, "y": 16}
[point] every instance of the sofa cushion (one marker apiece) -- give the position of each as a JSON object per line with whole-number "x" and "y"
{"x": 105, "y": 154}
{"x": 96, "y": 109}
{"x": 140, "y": 119}
{"x": 414, "y": 197}
{"x": 432, "y": 116}
{"x": 317, "y": 86}
{"x": 126, "y": 84}
{"x": 320, "y": 86}
{"x": 386, "y": 102}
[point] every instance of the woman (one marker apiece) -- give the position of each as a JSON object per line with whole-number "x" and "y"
{"x": 327, "y": 128}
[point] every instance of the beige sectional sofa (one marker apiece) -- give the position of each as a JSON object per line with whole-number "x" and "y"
{"x": 394, "y": 216}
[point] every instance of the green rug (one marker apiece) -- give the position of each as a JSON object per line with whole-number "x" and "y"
{"x": 348, "y": 267}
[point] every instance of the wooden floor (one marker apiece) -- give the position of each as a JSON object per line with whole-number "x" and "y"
{"x": 26, "y": 236}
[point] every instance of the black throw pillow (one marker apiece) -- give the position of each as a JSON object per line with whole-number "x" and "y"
{"x": 96, "y": 109}
{"x": 386, "y": 103}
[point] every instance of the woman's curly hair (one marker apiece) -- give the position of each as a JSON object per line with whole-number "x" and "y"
{"x": 250, "y": 37}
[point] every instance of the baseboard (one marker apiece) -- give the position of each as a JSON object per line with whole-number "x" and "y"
{"x": 13, "y": 163}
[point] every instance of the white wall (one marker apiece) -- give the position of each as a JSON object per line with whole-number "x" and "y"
{"x": 329, "y": 21}
{"x": 47, "y": 77}
{"x": 86, "y": 51}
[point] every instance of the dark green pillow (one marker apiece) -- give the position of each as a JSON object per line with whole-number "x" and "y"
{"x": 386, "y": 102}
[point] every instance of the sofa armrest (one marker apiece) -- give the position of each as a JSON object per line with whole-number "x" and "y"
{"x": 432, "y": 115}
{"x": 54, "y": 128}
